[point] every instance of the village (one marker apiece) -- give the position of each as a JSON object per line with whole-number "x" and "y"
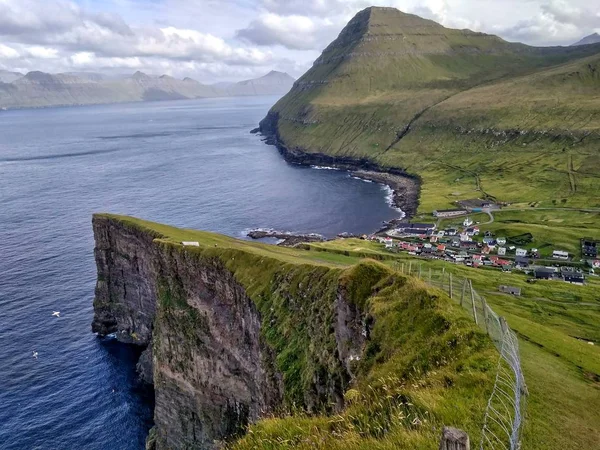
{"x": 464, "y": 243}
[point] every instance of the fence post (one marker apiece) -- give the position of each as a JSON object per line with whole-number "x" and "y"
{"x": 473, "y": 302}
{"x": 462, "y": 297}
{"x": 454, "y": 439}
{"x": 410, "y": 267}
{"x": 485, "y": 314}
{"x": 420, "y": 268}
{"x": 430, "y": 275}
{"x": 450, "y": 284}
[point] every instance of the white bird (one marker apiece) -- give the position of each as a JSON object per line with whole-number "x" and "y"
{"x": 56, "y": 313}
{"x": 35, "y": 354}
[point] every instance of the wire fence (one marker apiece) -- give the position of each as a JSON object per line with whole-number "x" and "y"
{"x": 504, "y": 414}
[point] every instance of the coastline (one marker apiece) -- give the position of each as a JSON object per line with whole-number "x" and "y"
{"x": 405, "y": 188}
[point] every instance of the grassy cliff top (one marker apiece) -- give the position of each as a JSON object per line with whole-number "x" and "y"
{"x": 424, "y": 365}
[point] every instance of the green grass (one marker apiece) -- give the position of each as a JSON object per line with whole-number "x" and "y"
{"x": 425, "y": 364}
{"x": 554, "y": 322}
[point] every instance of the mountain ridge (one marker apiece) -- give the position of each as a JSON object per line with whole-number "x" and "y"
{"x": 385, "y": 88}
{"x": 42, "y": 89}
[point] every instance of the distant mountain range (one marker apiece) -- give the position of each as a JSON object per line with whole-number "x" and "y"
{"x": 39, "y": 89}
{"x": 591, "y": 39}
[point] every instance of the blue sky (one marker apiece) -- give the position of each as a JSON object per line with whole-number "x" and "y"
{"x": 216, "y": 40}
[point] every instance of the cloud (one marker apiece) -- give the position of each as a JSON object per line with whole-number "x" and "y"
{"x": 557, "y": 23}
{"x": 293, "y": 32}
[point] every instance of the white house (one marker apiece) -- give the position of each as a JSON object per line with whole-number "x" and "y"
{"x": 389, "y": 243}
{"x": 559, "y": 254}
{"x": 596, "y": 264}
{"x": 521, "y": 252}
{"x": 501, "y": 251}
{"x": 464, "y": 237}
{"x": 467, "y": 222}
{"x": 501, "y": 241}
{"x": 190, "y": 243}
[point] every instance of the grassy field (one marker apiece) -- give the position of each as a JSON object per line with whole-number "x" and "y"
{"x": 554, "y": 322}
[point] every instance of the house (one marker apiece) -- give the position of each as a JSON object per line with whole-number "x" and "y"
{"x": 467, "y": 222}
{"x": 572, "y": 276}
{"x": 501, "y": 241}
{"x": 441, "y": 248}
{"x": 485, "y": 250}
{"x": 522, "y": 262}
{"x": 521, "y": 252}
{"x": 455, "y": 242}
{"x": 559, "y": 254}
{"x": 433, "y": 239}
{"x": 501, "y": 251}
{"x": 476, "y": 204}
{"x": 464, "y": 237}
{"x": 470, "y": 245}
{"x": 489, "y": 241}
{"x": 544, "y": 273}
{"x": 451, "y": 231}
{"x": 389, "y": 243}
{"x": 510, "y": 290}
{"x": 596, "y": 264}
{"x": 589, "y": 248}
{"x": 488, "y": 234}
{"x": 415, "y": 228}
{"x": 503, "y": 263}
{"x": 441, "y": 233}
{"x": 190, "y": 243}
{"x": 449, "y": 212}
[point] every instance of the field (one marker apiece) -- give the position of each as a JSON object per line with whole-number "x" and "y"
{"x": 554, "y": 321}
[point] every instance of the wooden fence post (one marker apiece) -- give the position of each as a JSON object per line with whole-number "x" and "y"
{"x": 450, "y": 284}
{"x": 485, "y": 314}
{"x": 430, "y": 275}
{"x": 454, "y": 439}
{"x": 473, "y": 302}
{"x": 462, "y": 297}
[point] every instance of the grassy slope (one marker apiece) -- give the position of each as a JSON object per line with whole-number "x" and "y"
{"x": 398, "y": 66}
{"x": 425, "y": 365}
{"x": 554, "y": 320}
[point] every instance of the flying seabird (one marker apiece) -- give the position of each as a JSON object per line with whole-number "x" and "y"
{"x": 56, "y": 313}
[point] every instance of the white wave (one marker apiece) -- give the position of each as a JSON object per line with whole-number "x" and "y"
{"x": 389, "y": 199}
{"x": 324, "y": 168}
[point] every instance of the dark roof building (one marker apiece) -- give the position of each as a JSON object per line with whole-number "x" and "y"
{"x": 544, "y": 273}
{"x": 510, "y": 290}
{"x": 571, "y": 276}
{"x": 522, "y": 261}
{"x": 589, "y": 248}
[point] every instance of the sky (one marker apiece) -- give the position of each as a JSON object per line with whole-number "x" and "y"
{"x": 226, "y": 40}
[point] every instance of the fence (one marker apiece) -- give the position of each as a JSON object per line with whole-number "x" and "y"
{"x": 504, "y": 413}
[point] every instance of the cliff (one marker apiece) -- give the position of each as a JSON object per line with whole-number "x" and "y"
{"x": 241, "y": 333}
{"x": 459, "y": 110}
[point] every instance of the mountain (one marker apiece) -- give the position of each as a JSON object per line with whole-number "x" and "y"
{"x": 273, "y": 83}
{"x": 8, "y": 77}
{"x": 591, "y": 39}
{"x": 40, "y": 89}
{"x": 456, "y": 109}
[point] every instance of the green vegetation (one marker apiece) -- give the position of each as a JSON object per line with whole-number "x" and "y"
{"x": 470, "y": 114}
{"x": 554, "y": 322}
{"x": 425, "y": 364}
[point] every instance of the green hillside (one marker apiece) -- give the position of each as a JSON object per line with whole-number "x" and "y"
{"x": 460, "y": 109}
{"x": 421, "y": 361}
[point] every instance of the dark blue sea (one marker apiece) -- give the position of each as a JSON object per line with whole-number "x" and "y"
{"x": 186, "y": 163}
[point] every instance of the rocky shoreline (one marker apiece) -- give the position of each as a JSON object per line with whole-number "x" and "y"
{"x": 405, "y": 187}
{"x": 288, "y": 239}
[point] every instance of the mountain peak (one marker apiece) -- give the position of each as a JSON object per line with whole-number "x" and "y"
{"x": 593, "y": 38}
{"x": 139, "y": 76}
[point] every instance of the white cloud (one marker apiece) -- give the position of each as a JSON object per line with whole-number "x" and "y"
{"x": 243, "y": 38}
{"x": 7, "y": 52}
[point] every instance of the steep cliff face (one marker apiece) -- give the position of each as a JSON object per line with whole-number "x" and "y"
{"x": 219, "y": 358}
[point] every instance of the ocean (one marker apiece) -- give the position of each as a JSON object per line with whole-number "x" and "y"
{"x": 186, "y": 163}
